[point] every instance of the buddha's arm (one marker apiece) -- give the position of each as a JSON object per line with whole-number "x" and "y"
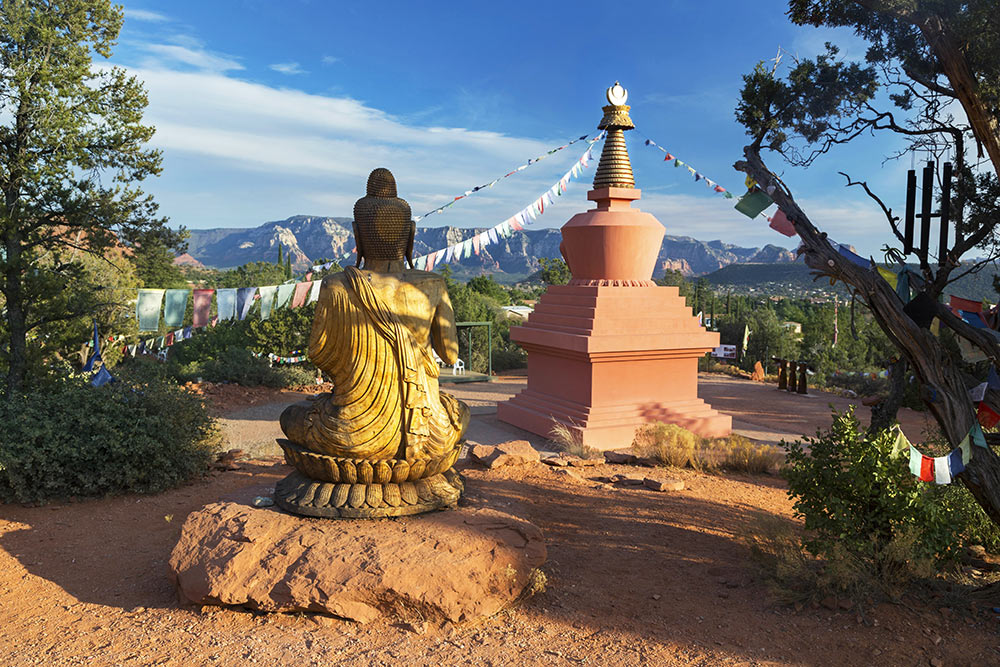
{"x": 444, "y": 335}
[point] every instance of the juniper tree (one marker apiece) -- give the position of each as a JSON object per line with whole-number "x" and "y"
{"x": 932, "y": 77}
{"x": 72, "y": 150}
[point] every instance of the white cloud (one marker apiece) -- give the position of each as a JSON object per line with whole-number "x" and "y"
{"x": 288, "y": 68}
{"x": 270, "y": 152}
{"x": 194, "y": 57}
{"x": 330, "y": 60}
{"x": 146, "y": 15}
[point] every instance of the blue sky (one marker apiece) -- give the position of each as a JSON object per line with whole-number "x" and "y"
{"x": 270, "y": 109}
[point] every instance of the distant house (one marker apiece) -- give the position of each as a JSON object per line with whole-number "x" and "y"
{"x": 518, "y": 313}
{"x": 794, "y": 327}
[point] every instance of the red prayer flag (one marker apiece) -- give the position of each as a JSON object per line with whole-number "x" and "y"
{"x": 988, "y": 418}
{"x": 170, "y": 339}
{"x": 781, "y": 224}
{"x": 926, "y": 469}
{"x": 968, "y": 305}
{"x": 668, "y": 157}
{"x": 301, "y": 294}
{"x": 202, "y": 306}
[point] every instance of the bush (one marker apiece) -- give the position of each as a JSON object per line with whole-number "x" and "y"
{"x": 240, "y": 366}
{"x": 141, "y": 434}
{"x": 862, "y": 506}
{"x": 672, "y": 445}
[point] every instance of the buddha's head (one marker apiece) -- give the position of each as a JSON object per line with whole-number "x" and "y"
{"x": 383, "y": 228}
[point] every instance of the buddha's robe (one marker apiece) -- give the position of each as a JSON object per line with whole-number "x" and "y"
{"x": 371, "y": 334}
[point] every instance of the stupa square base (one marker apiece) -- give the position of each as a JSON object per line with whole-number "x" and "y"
{"x": 604, "y": 360}
{"x": 610, "y": 427}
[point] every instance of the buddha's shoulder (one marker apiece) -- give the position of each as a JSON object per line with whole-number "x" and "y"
{"x": 424, "y": 280}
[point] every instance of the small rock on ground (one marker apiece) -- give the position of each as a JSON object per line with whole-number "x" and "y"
{"x": 663, "y": 484}
{"x": 513, "y": 453}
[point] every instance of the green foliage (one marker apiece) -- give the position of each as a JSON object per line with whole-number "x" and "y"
{"x": 240, "y": 366}
{"x": 858, "y": 499}
{"x": 489, "y": 287}
{"x": 154, "y": 264}
{"x": 72, "y": 146}
{"x": 141, "y": 434}
{"x": 554, "y": 271}
{"x": 254, "y": 274}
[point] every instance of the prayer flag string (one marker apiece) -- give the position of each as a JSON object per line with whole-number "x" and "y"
{"x": 499, "y": 178}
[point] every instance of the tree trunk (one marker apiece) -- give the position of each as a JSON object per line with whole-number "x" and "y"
{"x": 884, "y": 412}
{"x": 16, "y": 320}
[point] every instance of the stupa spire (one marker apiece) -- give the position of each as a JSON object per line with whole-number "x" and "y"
{"x": 615, "y": 169}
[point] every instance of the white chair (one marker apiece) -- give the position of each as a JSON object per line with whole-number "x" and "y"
{"x": 458, "y": 368}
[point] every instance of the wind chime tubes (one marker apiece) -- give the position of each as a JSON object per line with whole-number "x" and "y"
{"x": 927, "y": 197}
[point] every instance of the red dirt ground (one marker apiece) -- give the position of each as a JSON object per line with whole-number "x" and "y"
{"x": 634, "y": 577}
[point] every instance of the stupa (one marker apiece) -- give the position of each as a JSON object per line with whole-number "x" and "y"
{"x": 612, "y": 350}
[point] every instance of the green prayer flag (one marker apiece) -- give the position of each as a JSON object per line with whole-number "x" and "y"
{"x": 174, "y": 307}
{"x": 753, "y": 203}
{"x": 284, "y": 295}
{"x": 978, "y": 439}
{"x": 267, "y": 300}
{"x": 147, "y": 309}
{"x": 966, "y": 451}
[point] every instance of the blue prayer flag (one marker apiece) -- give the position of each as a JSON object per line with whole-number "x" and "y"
{"x": 955, "y": 464}
{"x": 102, "y": 377}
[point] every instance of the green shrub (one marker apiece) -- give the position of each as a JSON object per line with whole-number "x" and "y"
{"x": 140, "y": 434}
{"x": 860, "y": 502}
{"x": 504, "y": 360}
{"x": 673, "y": 445}
{"x": 240, "y": 366}
{"x": 668, "y": 444}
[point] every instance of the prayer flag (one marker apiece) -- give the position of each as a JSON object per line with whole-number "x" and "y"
{"x": 201, "y": 307}
{"x": 746, "y": 337}
{"x": 926, "y": 469}
{"x": 955, "y": 462}
{"x": 475, "y": 243}
{"x": 430, "y": 261}
{"x": 978, "y": 438}
{"x": 419, "y": 263}
{"x": 96, "y": 355}
{"x": 958, "y": 303}
{"x": 174, "y": 307}
{"x": 781, "y": 224}
{"x": 225, "y": 301}
{"x": 970, "y": 353}
{"x": 900, "y": 442}
{"x": 267, "y": 300}
{"x": 301, "y": 294}
{"x": 888, "y": 276}
{"x": 753, "y": 203}
{"x": 966, "y": 450}
{"x": 993, "y": 378}
{"x": 668, "y": 157}
{"x": 102, "y": 377}
{"x": 244, "y": 301}
{"x": 314, "y": 291}
{"x": 903, "y": 285}
{"x": 188, "y": 332}
{"x": 845, "y": 251}
{"x": 147, "y": 309}
{"x": 915, "y": 461}
{"x": 978, "y": 393}
{"x": 285, "y": 292}
{"x": 493, "y": 236}
{"x": 169, "y": 339}
{"x": 942, "y": 469}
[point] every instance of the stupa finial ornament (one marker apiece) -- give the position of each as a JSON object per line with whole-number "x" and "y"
{"x": 615, "y": 169}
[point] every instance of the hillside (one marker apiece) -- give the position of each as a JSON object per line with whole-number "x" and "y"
{"x": 310, "y": 238}
{"x": 795, "y": 279}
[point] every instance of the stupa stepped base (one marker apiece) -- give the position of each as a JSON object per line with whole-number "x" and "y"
{"x": 604, "y": 360}
{"x": 609, "y": 427}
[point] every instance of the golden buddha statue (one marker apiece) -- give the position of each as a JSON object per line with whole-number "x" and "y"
{"x": 384, "y": 441}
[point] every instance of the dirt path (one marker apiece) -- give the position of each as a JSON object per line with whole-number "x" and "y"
{"x": 635, "y": 577}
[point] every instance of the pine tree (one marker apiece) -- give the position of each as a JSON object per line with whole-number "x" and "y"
{"x": 72, "y": 151}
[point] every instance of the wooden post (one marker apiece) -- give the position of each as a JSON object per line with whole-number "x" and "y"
{"x": 791, "y": 376}
{"x": 782, "y": 373}
{"x": 802, "y": 377}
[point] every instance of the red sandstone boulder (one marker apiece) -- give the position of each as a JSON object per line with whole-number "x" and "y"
{"x": 513, "y": 453}
{"x": 453, "y": 566}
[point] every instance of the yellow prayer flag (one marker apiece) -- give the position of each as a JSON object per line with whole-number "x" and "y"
{"x": 888, "y": 276}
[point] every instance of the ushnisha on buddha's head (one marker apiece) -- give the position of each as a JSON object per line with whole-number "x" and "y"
{"x": 383, "y": 227}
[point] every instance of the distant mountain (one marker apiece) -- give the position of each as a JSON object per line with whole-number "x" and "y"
{"x": 310, "y": 238}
